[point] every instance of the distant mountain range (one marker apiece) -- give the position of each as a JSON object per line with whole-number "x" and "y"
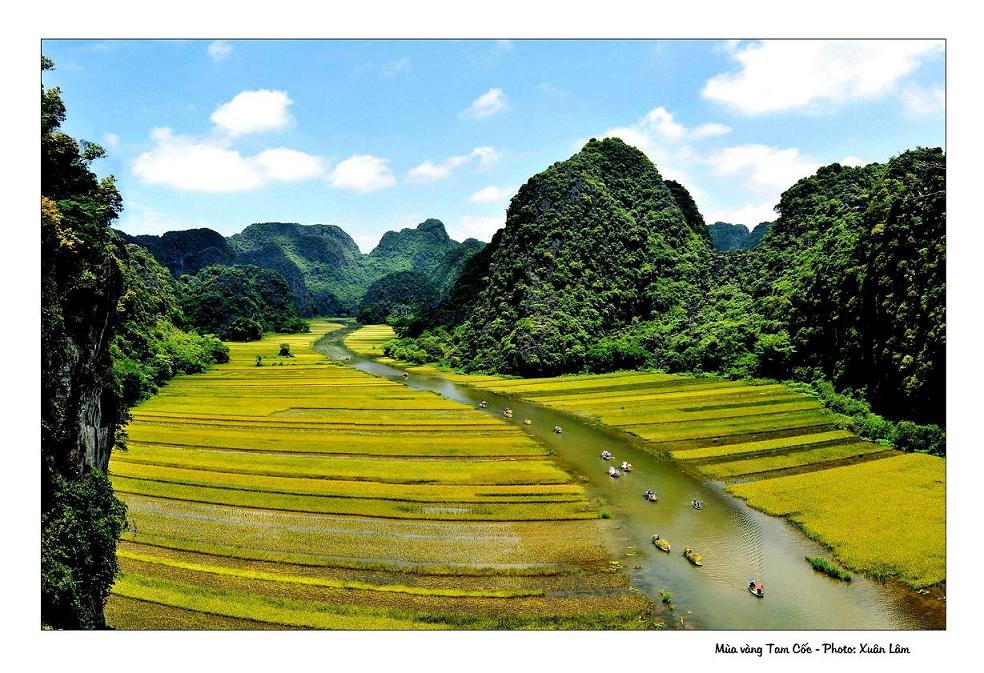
{"x": 324, "y": 268}
{"x": 728, "y": 236}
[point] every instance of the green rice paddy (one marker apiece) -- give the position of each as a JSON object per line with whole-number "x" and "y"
{"x": 305, "y": 494}
{"x": 879, "y": 511}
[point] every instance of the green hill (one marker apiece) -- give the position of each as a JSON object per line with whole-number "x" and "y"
{"x": 325, "y": 271}
{"x": 728, "y": 236}
{"x": 589, "y": 245}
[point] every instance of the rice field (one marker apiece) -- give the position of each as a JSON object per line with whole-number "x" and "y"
{"x": 301, "y": 493}
{"x": 879, "y": 511}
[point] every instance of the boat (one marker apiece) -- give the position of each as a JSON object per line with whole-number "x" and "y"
{"x": 405, "y": 376}
{"x": 613, "y": 472}
{"x": 557, "y": 430}
{"x": 483, "y": 404}
{"x": 527, "y": 421}
{"x": 757, "y": 589}
{"x": 650, "y": 495}
{"x": 626, "y": 466}
{"x": 606, "y": 455}
{"x": 693, "y": 557}
{"x": 661, "y": 543}
{"x": 697, "y": 504}
{"x": 508, "y": 413}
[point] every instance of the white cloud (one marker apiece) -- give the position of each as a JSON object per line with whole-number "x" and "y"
{"x": 400, "y": 66}
{"x": 712, "y": 130}
{"x": 111, "y": 141}
{"x": 661, "y": 122}
{"x": 763, "y": 167}
{"x": 489, "y": 103}
{"x": 749, "y": 215}
{"x": 428, "y": 171}
{"x": 253, "y": 112}
{"x": 482, "y": 228}
{"x": 362, "y": 173}
{"x": 492, "y": 194}
{"x": 779, "y": 75}
{"x": 924, "y": 101}
{"x": 367, "y": 242}
{"x": 189, "y": 164}
{"x": 287, "y": 165}
{"x": 219, "y": 50}
{"x": 851, "y": 160}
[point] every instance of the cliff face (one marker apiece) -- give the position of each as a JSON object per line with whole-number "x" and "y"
{"x": 81, "y": 284}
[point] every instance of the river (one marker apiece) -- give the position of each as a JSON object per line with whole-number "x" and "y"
{"x": 737, "y": 542}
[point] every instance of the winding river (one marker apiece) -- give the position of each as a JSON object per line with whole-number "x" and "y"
{"x": 737, "y": 542}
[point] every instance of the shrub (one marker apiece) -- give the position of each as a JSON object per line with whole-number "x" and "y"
{"x": 913, "y": 438}
{"x": 78, "y": 551}
{"x": 823, "y": 565}
{"x": 285, "y": 351}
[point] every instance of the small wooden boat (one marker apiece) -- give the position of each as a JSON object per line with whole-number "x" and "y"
{"x": 650, "y": 495}
{"x": 661, "y": 543}
{"x": 626, "y": 466}
{"x": 557, "y": 430}
{"x": 508, "y": 413}
{"x": 606, "y": 455}
{"x": 527, "y": 421}
{"x": 757, "y": 589}
{"x": 697, "y": 504}
{"x": 613, "y": 472}
{"x": 483, "y": 404}
{"x": 693, "y": 556}
{"x": 405, "y": 376}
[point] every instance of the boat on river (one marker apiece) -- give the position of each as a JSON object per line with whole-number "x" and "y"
{"x": 508, "y": 413}
{"x": 558, "y": 430}
{"x": 650, "y": 495}
{"x": 757, "y": 589}
{"x": 606, "y": 455}
{"x": 614, "y": 472}
{"x": 692, "y": 556}
{"x": 661, "y": 543}
{"x": 527, "y": 421}
{"x": 626, "y": 466}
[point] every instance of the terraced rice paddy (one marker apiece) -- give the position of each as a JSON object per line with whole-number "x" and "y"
{"x": 881, "y": 512}
{"x": 305, "y": 494}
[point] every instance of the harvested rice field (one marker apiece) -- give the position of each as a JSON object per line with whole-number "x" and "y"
{"x": 302, "y": 493}
{"x": 879, "y": 511}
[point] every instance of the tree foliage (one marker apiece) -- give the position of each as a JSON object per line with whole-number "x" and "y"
{"x": 398, "y": 298}
{"x": 238, "y": 303}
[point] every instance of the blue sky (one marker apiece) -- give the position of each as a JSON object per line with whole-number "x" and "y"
{"x": 379, "y": 135}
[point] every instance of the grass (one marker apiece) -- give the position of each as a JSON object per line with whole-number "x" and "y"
{"x": 369, "y": 340}
{"x": 310, "y": 495}
{"x": 880, "y": 512}
{"x": 886, "y": 517}
{"x": 821, "y": 564}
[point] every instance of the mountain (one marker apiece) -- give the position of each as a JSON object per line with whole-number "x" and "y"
{"x": 397, "y": 296}
{"x": 728, "y": 236}
{"x": 325, "y": 271}
{"x": 589, "y": 245}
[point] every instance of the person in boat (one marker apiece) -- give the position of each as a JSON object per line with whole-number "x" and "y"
{"x": 527, "y": 421}
{"x": 405, "y": 376}
{"x": 557, "y": 429}
{"x": 606, "y": 455}
{"x": 483, "y": 404}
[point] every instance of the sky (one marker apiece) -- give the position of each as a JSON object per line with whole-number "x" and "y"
{"x": 379, "y": 135}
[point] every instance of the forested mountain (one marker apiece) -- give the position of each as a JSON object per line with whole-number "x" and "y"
{"x": 107, "y": 340}
{"x": 591, "y": 244}
{"x": 398, "y": 297}
{"x": 322, "y": 265}
{"x": 602, "y": 266}
{"x": 728, "y": 236}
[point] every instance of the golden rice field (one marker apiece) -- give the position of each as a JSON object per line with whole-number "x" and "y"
{"x": 880, "y": 511}
{"x": 306, "y": 494}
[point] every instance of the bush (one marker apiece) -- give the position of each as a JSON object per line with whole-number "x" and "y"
{"x": 821, "y": 564}
{"x": 285, "y": 351}
{"x": 78, "y": 551}
{"x": 913, "y": 438}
